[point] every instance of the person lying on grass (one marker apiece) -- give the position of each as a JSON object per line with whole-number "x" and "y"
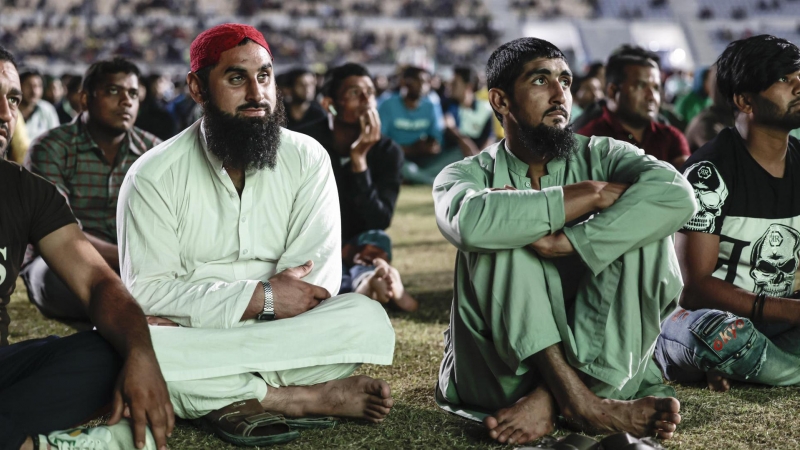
{"x": 565, "y": 266}
{"x": 739, "y": 254}
{"x": 232, "y": 230}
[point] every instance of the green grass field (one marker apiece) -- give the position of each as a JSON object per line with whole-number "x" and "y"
{"x": 747, "y": 417}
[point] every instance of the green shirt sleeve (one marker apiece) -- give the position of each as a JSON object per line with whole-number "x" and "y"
{"x": 658, "y": 202}
{"x": 476, "y": 219}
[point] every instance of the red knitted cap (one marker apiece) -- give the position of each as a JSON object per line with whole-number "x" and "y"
{"x": 209, "y": 45}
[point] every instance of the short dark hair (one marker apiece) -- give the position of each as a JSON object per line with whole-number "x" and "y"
{"x": 99, "y": 70}
{"x": 6, "y": 55}
{"x": 336, "y": 76}
{"x": 294, "y": 74}
{"x": 468, "y": 75}
{"x": 754, "y": 64}
{"x": 413, "y": 72}
{"x": 506, "y": 63}
{"x": 74, "y": 84}
{"x": 28, "y": 72}
{"x": 628, "y": 55}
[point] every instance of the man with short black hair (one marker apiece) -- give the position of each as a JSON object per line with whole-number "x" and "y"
{"x": 565, "y": 266}
{"x": 38, "y": 113}
{"x": 739, "y": 255}
{"x": 300, "y": 103}
{"x": 232, "y": 230}
{"x": 87, "y": 160}
{"x": 633, "y": 98}
{"x": 367, "y": 168}
{"x": 54, "y": 383}
{"x": 411, "y": 119}
{"x": 468, "y": 120}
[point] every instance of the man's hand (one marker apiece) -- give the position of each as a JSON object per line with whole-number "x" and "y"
{"x": 370, "y": 135}
{"x": 160, "y": 322}
{"x": 610, "y": 193}
{"x": 423, "y": 147}
{"x": 553, "y": 246}
{"x": 141, "y": 394}
{"x": 293, "y": 296}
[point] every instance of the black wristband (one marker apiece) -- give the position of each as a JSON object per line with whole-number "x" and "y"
{"x": 760, "y": 313}
{"x": 755, "y": 307}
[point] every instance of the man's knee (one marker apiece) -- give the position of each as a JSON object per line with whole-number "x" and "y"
{"x": 728, "y": 344}
{"x": 364, "y": 315}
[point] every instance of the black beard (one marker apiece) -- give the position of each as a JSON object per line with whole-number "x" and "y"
{"x": 769, "y": 114}
{"x": 244, "y": 142}
{"x": 548, "y": 142}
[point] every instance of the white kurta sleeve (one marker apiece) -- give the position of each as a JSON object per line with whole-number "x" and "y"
{"x": 315, "y": 224}
{"x": 151, "y": 266}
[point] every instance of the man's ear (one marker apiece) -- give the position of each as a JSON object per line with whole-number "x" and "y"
{"x": 195, "y": 87}
{"x": 499, "y": 100}
{"x": 83, "y": 99}
{"x": 611, "y": 90}
{"x": 744, "y": 102}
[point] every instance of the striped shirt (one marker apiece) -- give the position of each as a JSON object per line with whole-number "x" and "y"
{"x": 68, "y": 157}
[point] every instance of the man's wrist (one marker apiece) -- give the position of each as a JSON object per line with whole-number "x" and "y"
{"x": 358, "y": 162}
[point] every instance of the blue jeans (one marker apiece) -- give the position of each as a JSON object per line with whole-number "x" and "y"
{"x": 693, "y": 343}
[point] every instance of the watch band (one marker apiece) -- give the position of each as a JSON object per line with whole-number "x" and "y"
{"x": 269, "y": 307}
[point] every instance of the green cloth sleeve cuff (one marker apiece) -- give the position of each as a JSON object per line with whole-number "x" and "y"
{"x": 577, "y": 237}
{"x": 555, "y": 207}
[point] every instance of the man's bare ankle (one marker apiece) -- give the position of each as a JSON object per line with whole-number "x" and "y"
{"x": 28, "y": 444}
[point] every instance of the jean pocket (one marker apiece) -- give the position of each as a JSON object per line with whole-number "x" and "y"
{"x": 728, "y": 344}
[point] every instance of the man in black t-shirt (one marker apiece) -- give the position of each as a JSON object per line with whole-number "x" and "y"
{"x": 739, "y": 254}
{"x": 367, "y": 167}
{"x": 50, "y": 384}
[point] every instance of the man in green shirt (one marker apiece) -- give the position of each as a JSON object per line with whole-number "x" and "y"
{"x": 565, "y": 266}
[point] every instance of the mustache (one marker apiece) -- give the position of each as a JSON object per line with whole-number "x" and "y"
{"x": 253, "y": 105}
{"x": 556, "y": 108}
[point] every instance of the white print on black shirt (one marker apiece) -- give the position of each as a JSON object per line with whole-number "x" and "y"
{"x": 774, "y": 260}
{"x": 3, "y": 253}
{"x": 710, "y": 193}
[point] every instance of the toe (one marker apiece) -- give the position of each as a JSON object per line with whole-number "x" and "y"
{"x": 665, "y": 426}
{"x": 668, "y": 404}
{"x": 515, "y": 437}
{"x": 669, "y": 417}
{"x": 506, "y": 434}
{"x": 664, "y": 434}
{"x": 490, "y": 422}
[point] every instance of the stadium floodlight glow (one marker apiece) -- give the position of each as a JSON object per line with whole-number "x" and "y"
{"x": 677, "y": 56}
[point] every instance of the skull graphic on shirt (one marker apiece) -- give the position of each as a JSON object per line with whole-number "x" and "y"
{"x": 710, "y": 193}
{"x": 774, "y": 260}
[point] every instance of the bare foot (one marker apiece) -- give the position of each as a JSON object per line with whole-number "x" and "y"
{"x": 378, "y": 285}
{"x": 359, "y": 397}
{"x": 644, "y": 417}
{"x": 532, "y": 417}
{"x": 717, "y": 383}
{"x": 400, "y": 299}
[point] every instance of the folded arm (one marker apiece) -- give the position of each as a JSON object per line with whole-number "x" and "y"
{"x": 151, "y": 267}
{"x": 474, "y": 217}
{"x": 658, "y": 202}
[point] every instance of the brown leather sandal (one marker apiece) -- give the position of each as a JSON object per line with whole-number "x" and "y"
{"x": 245, "y": 423}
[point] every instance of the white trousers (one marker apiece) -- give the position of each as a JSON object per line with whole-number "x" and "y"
{"x": 207, "y": 369}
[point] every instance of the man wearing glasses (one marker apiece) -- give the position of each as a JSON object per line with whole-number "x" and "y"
{"x": 87, "y": 160}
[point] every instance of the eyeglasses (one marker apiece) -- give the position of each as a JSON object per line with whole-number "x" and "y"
{"x": 356, "y": 93}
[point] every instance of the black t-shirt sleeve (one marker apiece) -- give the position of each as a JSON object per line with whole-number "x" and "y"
{"x": 47, "y": 209}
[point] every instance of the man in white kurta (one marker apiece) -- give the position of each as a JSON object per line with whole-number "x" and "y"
{"x": 194, "y": 248}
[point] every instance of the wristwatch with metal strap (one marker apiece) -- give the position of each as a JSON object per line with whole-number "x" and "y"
{"x": 269, "y": 308}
